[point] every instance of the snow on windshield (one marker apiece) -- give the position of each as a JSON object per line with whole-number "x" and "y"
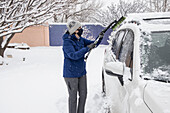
{"x": 155, "y": 55}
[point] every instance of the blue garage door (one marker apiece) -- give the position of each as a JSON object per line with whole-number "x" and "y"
{"x": 90, "y": 32}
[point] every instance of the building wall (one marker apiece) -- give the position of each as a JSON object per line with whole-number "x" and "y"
{"x": 33, "y": 36}
{"x": 52, "y": 35}
{"x": 56, "y": 32}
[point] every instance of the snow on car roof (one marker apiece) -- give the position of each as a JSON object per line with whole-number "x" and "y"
{"x": 149, "y": 15}
{"x": 155, "y": 27}
{"x": 160, "y": 22}
{"x": 136, "y": 23}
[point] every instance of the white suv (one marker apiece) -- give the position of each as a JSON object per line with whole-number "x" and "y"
{"x": 136, "y": 69}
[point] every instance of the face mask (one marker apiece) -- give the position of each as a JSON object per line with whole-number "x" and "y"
{"x": 80, "y": 32}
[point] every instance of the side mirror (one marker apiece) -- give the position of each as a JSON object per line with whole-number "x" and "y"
{"x": 114, "y": 69}
{"x": 119, "y": 70}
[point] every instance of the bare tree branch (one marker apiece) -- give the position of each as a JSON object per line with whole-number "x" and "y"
{"x": 115, "y": 11}
{"x": 16, "y": 15}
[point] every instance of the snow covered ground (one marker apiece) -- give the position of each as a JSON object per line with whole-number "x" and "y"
{"x": 32, "y": 82}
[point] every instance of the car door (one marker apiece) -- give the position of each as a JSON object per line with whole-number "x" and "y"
{"x": 113, "y": 84}
{"x": 125, "y": 56}
{"x": 122, "y": 48}
{"x": 132, "y": 99}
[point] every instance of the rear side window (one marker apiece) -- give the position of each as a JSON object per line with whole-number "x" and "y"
{"x": 118, "y": 41}
{"x": 126, "y": 51}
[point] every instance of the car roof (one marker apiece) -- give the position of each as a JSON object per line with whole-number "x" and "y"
{"x": 148, "y": 21}
{"x": 148, "y": 16}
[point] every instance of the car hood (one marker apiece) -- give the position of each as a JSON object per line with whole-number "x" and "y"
{"x": 157, "y": 96}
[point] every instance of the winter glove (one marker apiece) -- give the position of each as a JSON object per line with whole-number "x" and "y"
{"x": 91, "y": 46}
{"x": 101, "y": 35}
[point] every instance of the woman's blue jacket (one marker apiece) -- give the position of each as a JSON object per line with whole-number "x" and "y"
{"x": 74, "y": 51}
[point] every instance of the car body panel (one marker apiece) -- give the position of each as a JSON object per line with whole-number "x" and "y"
{"x": 137, "y": 95}
{"x": 157, "y": 96}
{"x": 115, "y": 93}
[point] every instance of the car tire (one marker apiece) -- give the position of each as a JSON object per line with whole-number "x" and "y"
{"x": 103, "y": 84}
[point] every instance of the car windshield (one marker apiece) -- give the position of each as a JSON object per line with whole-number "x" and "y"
{"x": 155, "y": 56}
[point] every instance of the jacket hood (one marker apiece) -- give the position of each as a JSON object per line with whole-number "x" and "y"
{"x": 68, "y": 36}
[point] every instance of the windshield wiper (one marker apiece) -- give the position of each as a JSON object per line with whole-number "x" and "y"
{"x": 162, "y": 80}
{"x": 156, "y": 79}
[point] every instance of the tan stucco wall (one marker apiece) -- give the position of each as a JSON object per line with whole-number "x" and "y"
{"x": 33, "y": 36}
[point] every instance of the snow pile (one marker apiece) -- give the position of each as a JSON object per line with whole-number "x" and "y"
{"x": 36, "y": 85}
{"x": 136, "y": 93}
{"x": 18, "y": 45}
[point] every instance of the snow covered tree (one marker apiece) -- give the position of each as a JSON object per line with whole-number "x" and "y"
{"x": 159, "y": 5}
{"x": 82, "y": 10}
{"x": 115, "y": 11}
{"x": 16, "y": 15}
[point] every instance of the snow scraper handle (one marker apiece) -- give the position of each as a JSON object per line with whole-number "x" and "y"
{"x": 116, "y": 24}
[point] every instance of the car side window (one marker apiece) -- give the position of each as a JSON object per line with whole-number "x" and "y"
{"x": 117, "y": 41}
{"x": 126, "y": 51}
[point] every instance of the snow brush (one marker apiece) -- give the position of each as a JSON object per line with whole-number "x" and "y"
{"x": 116, "y": 24}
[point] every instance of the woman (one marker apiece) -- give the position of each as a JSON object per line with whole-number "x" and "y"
{"x": 74, "y": 71}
